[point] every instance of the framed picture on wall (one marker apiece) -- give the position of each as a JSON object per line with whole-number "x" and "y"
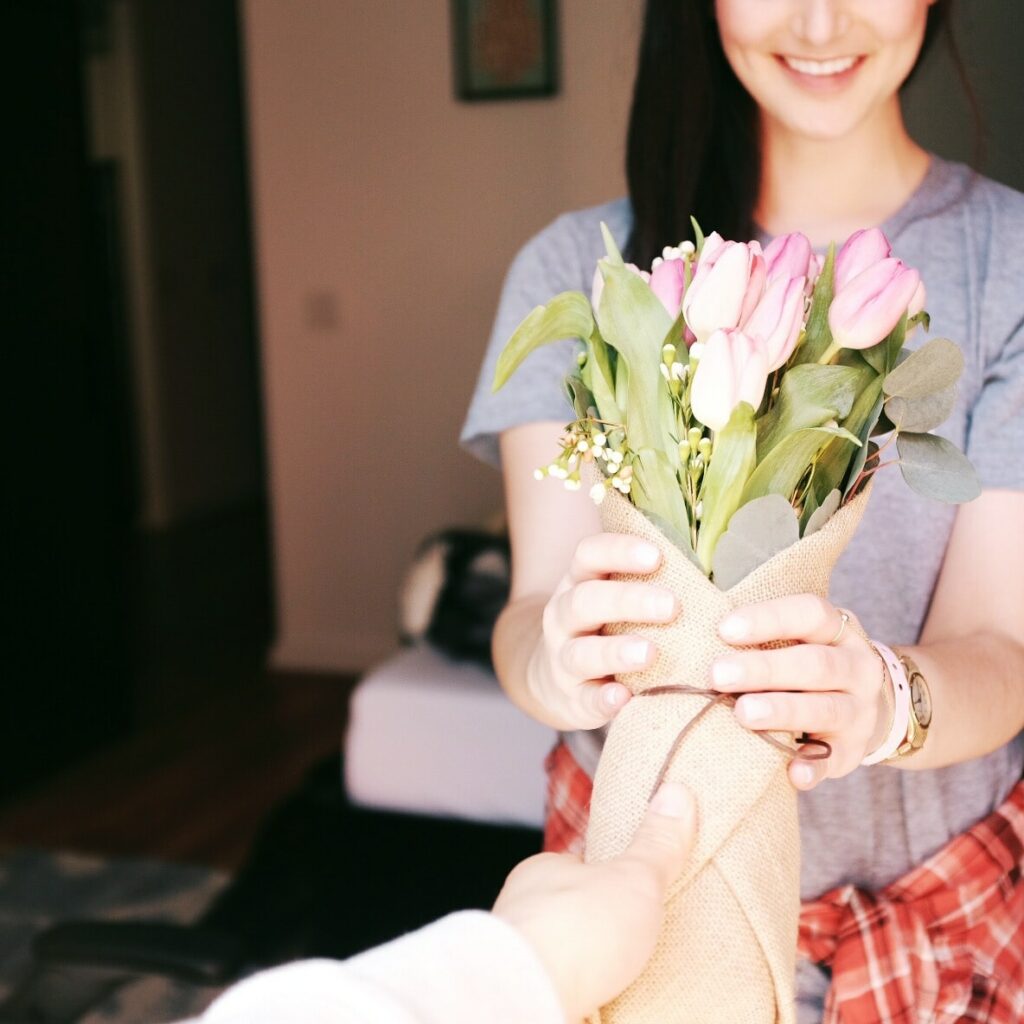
{"x": 505, "y": 49}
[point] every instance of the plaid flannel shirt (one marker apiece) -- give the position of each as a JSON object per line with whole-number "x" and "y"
{"x": 943, "y": 944}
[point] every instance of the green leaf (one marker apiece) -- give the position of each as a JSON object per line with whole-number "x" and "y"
{"x": 680, "y": 538}
{"x": 565, "y": 316}
{"x": 614, "y": 257}
{"x": 634, "y": 322}
{"x": 833, "y": 465}
{"x": 818, "y": 336}
{"x": 659, "y": 489}
{"x": 885, "y": 355}
{"x": 918, "y": 415}
{"x": 698, "y": 235}
{"x": 935, "y": 366}
{"x": 823, "y": 513}
{"x": 809, "y": 396}
{"x": 934, "y": 467}
{"x": 757, "y": 531}
{"x": 602, "y": 377}
{"x": 579, "y": 395}
{"x": 732, "y": 461}
{"x": 785, "y": 465}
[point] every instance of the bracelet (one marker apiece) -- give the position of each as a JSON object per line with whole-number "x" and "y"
{"x": 901, "y": 711}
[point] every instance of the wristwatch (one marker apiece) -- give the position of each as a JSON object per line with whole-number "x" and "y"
{"x": 920, "y": 709}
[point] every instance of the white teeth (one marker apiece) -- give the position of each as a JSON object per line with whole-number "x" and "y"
{"x": 821, "y": 67}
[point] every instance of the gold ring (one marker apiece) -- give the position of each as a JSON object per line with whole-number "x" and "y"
{"x": 844, "y": 619}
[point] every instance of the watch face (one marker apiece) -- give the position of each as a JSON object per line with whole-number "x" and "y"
{"x": 921, "y": 701}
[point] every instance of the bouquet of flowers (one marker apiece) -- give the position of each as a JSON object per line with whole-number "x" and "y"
{"x": 731, "y": 406}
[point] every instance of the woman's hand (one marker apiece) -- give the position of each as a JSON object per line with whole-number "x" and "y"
{"x": 594, "y": 926}
{"x": 833, "y": 689}
{"x": 569, "y": 671}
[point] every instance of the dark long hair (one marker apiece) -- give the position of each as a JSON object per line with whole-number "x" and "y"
{"x": 693, "y": 142}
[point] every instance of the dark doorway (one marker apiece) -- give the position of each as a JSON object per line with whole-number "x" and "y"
{"x": 136, "y": 539}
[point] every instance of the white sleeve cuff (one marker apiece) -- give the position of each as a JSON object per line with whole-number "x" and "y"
{"x": 465, "y": 968}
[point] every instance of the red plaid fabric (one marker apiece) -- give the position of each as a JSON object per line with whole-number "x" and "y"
{"x": 943, "y": 944}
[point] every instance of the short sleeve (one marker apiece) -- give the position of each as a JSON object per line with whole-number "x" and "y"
{"x": 995, "y": 430}
{"x": 561, "y": 258}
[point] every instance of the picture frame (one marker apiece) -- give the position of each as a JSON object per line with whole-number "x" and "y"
{"x": 505, "y": 49}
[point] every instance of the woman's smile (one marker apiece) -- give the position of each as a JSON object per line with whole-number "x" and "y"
{"x": 821, "y": 75}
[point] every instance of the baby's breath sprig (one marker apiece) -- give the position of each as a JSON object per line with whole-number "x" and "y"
{"x": 592, "y": 440}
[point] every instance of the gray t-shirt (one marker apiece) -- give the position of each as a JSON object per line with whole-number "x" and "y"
{"x": 966, "y": 236}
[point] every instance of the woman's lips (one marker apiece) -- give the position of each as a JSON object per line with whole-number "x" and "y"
{"x": 821, "y": 75}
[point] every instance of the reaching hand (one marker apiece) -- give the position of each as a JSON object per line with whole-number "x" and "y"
{"x": 594, "y": 926}
{"x": 571, "y": 670}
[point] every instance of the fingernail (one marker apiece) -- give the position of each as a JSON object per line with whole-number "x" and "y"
{"x": 647, "y": 555}
{"x": 660, "y": 606}
{"x": 672, "y": 800}
{"x": 636, "y": 652}
{"x": 613, "y": 695}
{"x": 803, "y": 773}
{"x": 726, "y": 673}
{"x": 734, "y": 627}
{"x": 754, "y": 709}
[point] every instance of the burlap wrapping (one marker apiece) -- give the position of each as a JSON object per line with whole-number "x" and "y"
{"x": 727, "y": 950}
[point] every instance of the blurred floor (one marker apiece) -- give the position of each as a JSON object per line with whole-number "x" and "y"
{"x": 195, "y": 784}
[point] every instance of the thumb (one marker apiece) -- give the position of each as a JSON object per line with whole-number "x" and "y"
{"x": 665, "y": 836}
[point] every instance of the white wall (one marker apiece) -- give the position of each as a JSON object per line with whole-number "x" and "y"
{"x": 386, "y": 213}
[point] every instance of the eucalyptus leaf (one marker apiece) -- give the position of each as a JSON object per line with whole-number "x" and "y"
{"x": 934, "y": 467}
{"x": 566, "y": 316}
{"x": 818, "y": 336}
{"x": 918, "y": 415}
{"x": 935, "y": 366}
{"x": 785, "y": 465}
{"x": 757, "y": 531}
{"x": 809, "y": 396}
{"x": 732, "y": 461}
{"x": 823, "y": 513}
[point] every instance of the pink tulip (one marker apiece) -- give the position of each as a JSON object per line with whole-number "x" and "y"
{"x": 718, "y": 292}
{"x": 733, "y": 368}
{"x": 861, "y": 250}
{"x": 777, "y": 319}
{"x": 756, "y": 283}
{"x": 870, "y": 305}
{"x": 788, "y": 256}
{"x": 667, "y": 283}
{"x": 917, "y": 301}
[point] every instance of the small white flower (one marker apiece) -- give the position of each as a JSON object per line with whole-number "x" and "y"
{"x": 657, "y": 263}
{"x": 664, "y": 370}
{"x": 572, "y": 484}
{"x": 696, "y": 350}
{"x": 539, "y": 474}
{"x": 679, "y": 371}
{"x": 687, "y": 248}
{"x": 582, "y": 445}
{"x": 615, "y": 457}
{"x": 600, "y": 440}
{"x": 597, "y": 493}
{"x": 558, "y": 472}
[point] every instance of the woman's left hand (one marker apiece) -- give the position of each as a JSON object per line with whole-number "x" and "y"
{"x": 830, "y": 684}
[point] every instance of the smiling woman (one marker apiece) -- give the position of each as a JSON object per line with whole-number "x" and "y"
{"x": 764, "y": 117}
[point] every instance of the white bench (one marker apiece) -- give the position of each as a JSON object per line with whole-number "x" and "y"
{"x": 431, "y": 736}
